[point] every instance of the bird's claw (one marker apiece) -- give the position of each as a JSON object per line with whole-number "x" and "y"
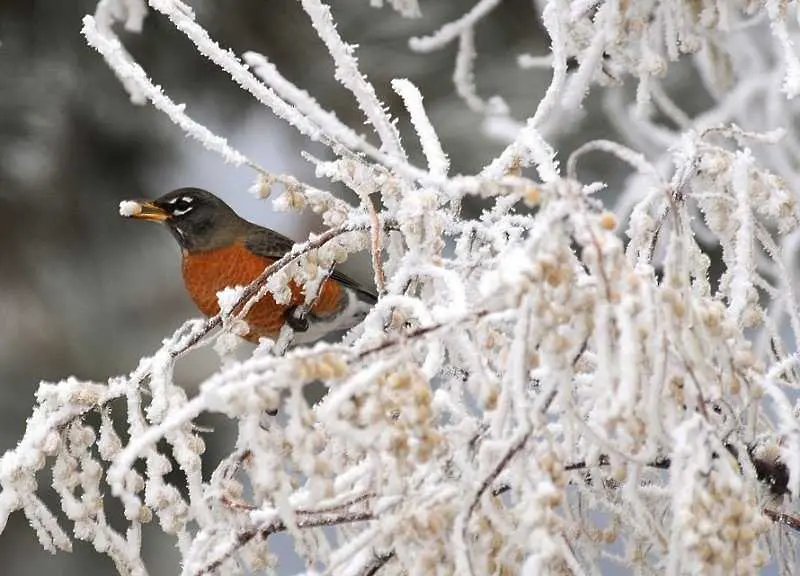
{"x": 296, "y": 318}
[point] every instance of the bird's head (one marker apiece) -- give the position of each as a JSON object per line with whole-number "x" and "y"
{"x": 197, "y": 219}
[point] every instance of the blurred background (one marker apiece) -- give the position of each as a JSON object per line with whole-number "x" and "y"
{"x": 85, "y": 292}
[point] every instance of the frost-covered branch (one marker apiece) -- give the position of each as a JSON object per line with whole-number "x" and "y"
{"x": 573, "y": 376}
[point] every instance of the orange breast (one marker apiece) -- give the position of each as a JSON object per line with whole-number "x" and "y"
{"x": 206, "y": 273}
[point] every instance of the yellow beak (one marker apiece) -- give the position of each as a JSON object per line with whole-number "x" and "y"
{"x": 142, "y": 210}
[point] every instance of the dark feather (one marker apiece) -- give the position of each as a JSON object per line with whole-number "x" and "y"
{"x": 272, "y": 245}
{"x": 267, "y": 243}
{"x": 361, "y": 293}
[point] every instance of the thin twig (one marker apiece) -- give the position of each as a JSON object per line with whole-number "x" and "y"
{"x": 376, "y": 243}
{"x": 773, "y": 473}
{"x": 422, "y": 331}
{"x": 332, "y": 509}
{"x": 462, "y": 521}
{"x": 378, "y": 562}
{"x": 782, "y": 518}
{"x": 499, "y": 467}
{"x": 276, "y": 526}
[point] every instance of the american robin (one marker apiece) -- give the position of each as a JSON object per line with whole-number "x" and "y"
{"x": 220, "y": 249}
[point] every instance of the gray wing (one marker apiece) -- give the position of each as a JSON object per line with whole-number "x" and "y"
{"x": 273, "y": 245}
{"x": 267, "y": 243}
{"x": 362, "y": 293}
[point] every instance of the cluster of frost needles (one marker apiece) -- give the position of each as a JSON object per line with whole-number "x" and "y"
{"x": 554, "y": 387}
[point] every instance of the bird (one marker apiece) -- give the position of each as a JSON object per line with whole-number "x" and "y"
{"x": 220, "y": 249}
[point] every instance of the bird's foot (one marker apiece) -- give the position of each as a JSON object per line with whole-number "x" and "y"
{"x": 296, "y": 318}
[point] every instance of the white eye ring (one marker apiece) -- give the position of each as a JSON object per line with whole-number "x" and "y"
{"x": 186, "y": 199}
{"x": 181, "y": 212}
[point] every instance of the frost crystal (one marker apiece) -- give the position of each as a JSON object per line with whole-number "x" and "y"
{"x": 228, "y": 297}
{"x": 129, "y": 208}
{"x": 585, "y": 375}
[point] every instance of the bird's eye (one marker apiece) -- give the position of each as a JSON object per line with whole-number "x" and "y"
{"x": 180, "y": 206}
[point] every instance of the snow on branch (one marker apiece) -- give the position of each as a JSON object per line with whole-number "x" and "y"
{"x": 348, "y": 74}
{"x": 438, "y": 163}
{"x": 131, "y": 12}
{"x": 136, "y": 79}
{"x": 453, "y": 30}
{"x": 570, "y": 377}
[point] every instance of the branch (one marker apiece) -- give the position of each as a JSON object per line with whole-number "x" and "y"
{"x": 378, "y": 562}
{"x": 463, "y": 561}
{"x": 348, "y": 74}
{"x": 136, "y": 78}
{"x": 421, "y": 331}
{"x": 782, "y": 518}
{"x": 773, "y": 473}
{"x": 276, "y": 526}
{"x": 453, "y": 30}
{"x": 501, "y": 465}
{"x": 438, "y": 163}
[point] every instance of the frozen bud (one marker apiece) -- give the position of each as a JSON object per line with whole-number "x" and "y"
{"x": 85, "y": 397}
{"x": 334, "y": 218}
{"x": 278, "y": 286}
{"x": 132, "y": 507}
{"x": 36, "y": 459}
{"x": 746, "y": 534}
{"x": 144, "y": 515}
{"x": 690, "y": 44}
{"x": 171, "y": 523}
{"x": 133, "y": 482}
{"x": 329, "y": 367}
{"x": 262, "y": 187}
{"x": 490, "y": 396}
{"x": 232, "y": 487}
{"x": 743, "y": 359}
{"x": 194, "y": 465}
{"x": 657, "y": 66}
{"x": 309, "y": 268}
{"x": 532, "y": 196}
{"x": 158, "y": 465}
{"x": 608, "y": 220}
{"x": 92, "y": 471}
{"x": 52, "y": 443}
{"x": 260, "y": 560}
{"x": 399, "y": 381}
{"x": 751, "y": 317}
{"x": 226, "y": 343}
{"x": 397, "y": 320}
{"x": 713, "y": 163}
{"x": 109, "y": 443}
{"x": 196, "y": 444}
{"x": 270, "y": 399}
{"x": 65, "y": 471}
{"x": 321, "y": 467}
{"x": 239, "y": 327}
{"x": 291, "y": 199}
{"x": 348, "y": 410}
{"x": 92, "y": 504}
{"x": 80, "y": 437}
